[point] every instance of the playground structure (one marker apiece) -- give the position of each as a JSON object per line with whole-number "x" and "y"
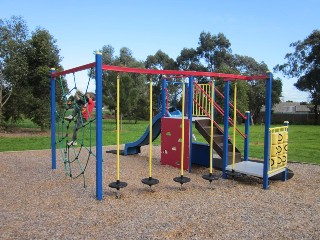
{"x": 190, "y": 152}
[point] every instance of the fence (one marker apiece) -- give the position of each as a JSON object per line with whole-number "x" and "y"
{"x": 293, "y": 118}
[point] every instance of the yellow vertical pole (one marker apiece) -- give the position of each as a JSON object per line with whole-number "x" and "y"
{"x": 118, "y": 127}
{"x": 198, "y": 112}
{"x": 150, "y": 133}
{"x": 204, "y": 99}
{"x": 234, "y": 125}
{"x": 182, "y": 126}
{"x": 203, "y": 104}
{"x": 208, "y": 105}
{"x": 211, "y": 127}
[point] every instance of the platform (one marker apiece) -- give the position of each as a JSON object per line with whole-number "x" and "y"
{"x": 252, "y": 168}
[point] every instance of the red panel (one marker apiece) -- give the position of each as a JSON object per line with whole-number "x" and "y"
{"x": 171, "y": 142}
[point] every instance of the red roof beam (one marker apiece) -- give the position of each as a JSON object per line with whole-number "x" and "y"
{"x": 73, "y": 70}
{"x": 177, "y": 72}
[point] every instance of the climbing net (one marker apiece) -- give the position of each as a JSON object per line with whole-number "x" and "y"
{"x": 75, "y": 153}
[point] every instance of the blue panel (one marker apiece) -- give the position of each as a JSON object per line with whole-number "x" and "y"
{"x": 200, "y": 154}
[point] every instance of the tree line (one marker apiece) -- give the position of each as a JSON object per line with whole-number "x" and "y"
{"x": 26, "y": 59}
{"x": 213, "y": 54}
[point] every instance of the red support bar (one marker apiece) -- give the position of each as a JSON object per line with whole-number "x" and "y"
{"x": 226, "y": 76}
{"x": 208, "y": 115}
{"x": 216, "y": 89}
{"x": 238, "y": 130}
{"x": 230, "y": 104}
{"x": 249, "y": 78}
{"x": 177, "y": 72}
{"x": 72, "y": 70}
{"x": 170, "y": 77}
{"x": 218, "y": 109}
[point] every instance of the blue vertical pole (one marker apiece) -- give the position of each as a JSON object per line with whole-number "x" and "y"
{"x": 99, "y": 126}
{"x": 163, "y": 97}
{"x": 266, "y": 132}
{"x": 247, "y": 139}
{"x": 190, "y": 103}
{"x": 53, "y": 120}
{"x": 225, "y": 158}
{"x": 186, "y": 100}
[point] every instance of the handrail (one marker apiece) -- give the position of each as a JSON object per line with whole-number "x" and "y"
{"x": 230, "y": 104}
{"x": 219, "y": 109}
{"x": 217, "y": 124}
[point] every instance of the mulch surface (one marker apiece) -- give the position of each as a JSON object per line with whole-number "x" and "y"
{"x": 37, "y": 202}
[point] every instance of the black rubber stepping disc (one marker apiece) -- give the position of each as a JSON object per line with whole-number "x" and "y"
{"x": 233, "y": 174}
{"x": 210, "y": 177}
{"x": 182, "y": 179}
{"x": 150, "y": 181}
{"x": 118, "y": 184}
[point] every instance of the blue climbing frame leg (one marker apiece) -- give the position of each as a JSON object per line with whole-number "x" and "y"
{"x": 225, "y": 128}
{"x": 53, "y": 121}
{"x": 99, "y": 193}
{"x": 247, "y": 139}
{"x": 266, "y": 132}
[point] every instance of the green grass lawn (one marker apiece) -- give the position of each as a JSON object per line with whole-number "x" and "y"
{"x": 303, "y": 142}
{"x": 303, "y": 139}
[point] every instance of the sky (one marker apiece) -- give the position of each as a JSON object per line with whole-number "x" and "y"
{"x": 255, "y": 28}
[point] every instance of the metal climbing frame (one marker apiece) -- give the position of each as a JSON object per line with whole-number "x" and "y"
{"x": 99, "y": 67}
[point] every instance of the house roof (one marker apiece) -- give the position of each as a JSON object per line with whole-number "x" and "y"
{"x": 289, "y": 107}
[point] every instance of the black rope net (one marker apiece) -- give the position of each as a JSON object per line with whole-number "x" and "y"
{"x": 75, "y": 129}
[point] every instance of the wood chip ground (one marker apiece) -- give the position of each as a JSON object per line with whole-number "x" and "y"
{"x": 37, "y": 202}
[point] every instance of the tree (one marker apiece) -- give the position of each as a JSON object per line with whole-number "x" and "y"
{"x": 13, "y": 66}
{"x": 132, "y": 88}
{"x": 214, "y": 54}
{"x": 189, "y": 60}
{"x": 160, "y": 61}
{"x": 25, "y": 66}
{"x": 108, "y": 54}
{"x": 42, "y": 54}
{"x": 214, "y": 51}
{"x": 304, "y": 64}
{"x": 256, "y": 92}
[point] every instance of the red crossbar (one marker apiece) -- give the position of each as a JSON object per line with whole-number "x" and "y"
{"x": 177, "y": 72}
{"x": 72, "y": 70}
{"x": 248, "y": 78}
{"x": 225, "y": 76}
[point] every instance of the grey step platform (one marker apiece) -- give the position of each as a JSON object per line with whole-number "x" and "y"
{"x": 251, "y": 168}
